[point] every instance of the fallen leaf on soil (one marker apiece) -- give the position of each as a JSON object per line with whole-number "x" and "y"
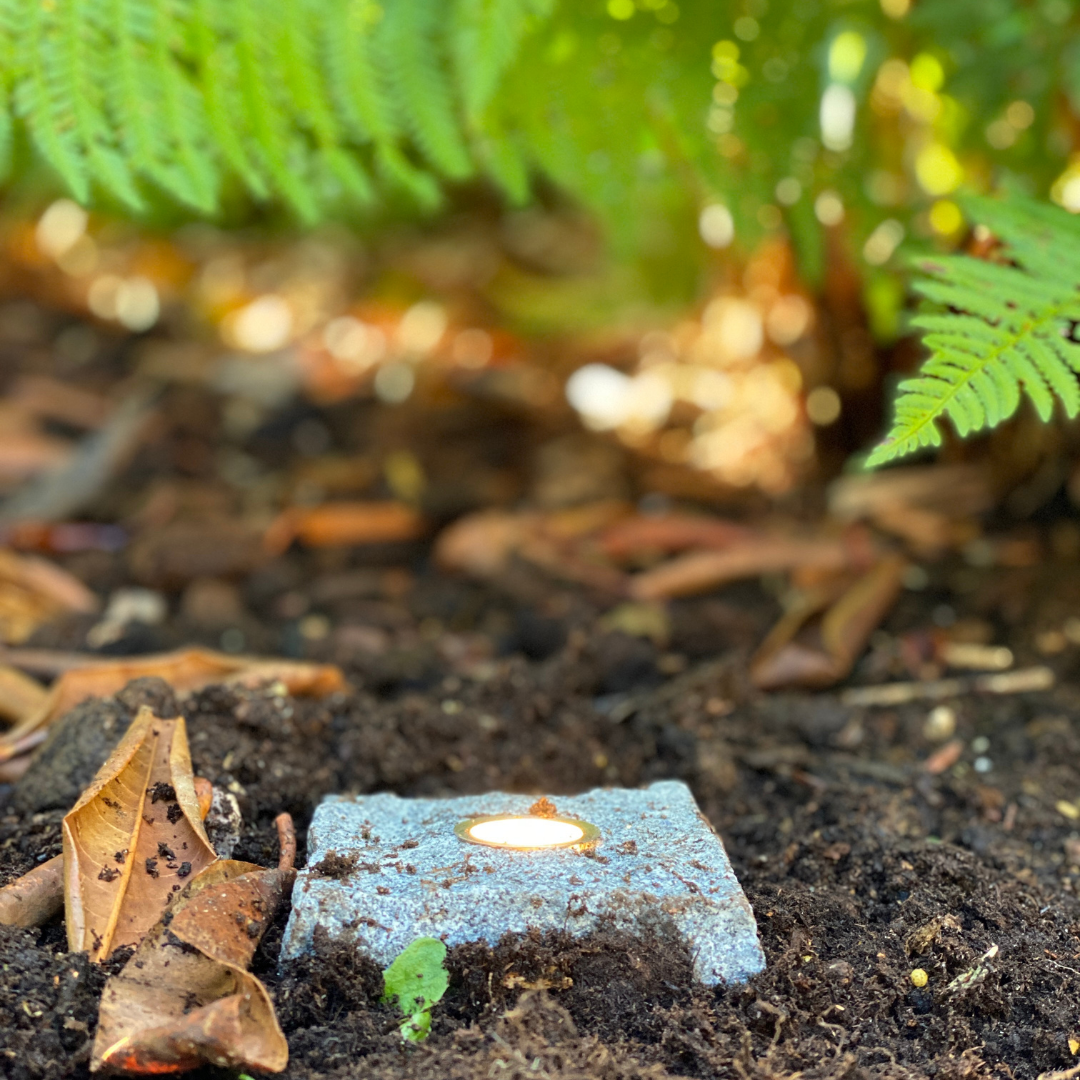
{"x": 699, "y": 571}
{"x": 133, "y": 838}
{"x": 62, "y": 492}
{"x": 33, "y": 591}
{"x": 20, "y": 696}
{"x": 185, "y": 670}
{"x": 36, "y": 897}
{"x": 932, "y": 508}
{"x": 342, "y": 524}
{"x": 559, "y": 542}
{"x": 185, "y": 997}
{"x": 209, "y": 545}
{"x": 668, "y": 533}
{"x": 50, "y": 398}
{"x": 816, "y": 644}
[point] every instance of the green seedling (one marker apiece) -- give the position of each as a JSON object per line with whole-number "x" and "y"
{"x": 418, "y": 980}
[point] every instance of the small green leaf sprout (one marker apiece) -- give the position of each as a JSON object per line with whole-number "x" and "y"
{"x": 418, "y": 980}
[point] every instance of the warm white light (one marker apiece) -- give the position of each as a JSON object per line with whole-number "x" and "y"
{"x": 837, "y": 117}
{"x": 716, "y": 225}
{"x": 60, "y": 228}
{"x": 526, "y": 832}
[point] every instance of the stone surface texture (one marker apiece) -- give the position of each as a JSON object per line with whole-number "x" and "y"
{"x": 399, "y": 872}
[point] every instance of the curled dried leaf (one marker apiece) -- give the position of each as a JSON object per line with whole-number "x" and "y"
{"x": 702, "y": 570}
{"x": 33, "y": 591}
{"x": 133, "y": 839}
{"x": 185, "y": 997}
{"x": 817, "y": 642}
{"x": 340, "y": 524}
{"x": 20, "y": 695}
{"x": 34, "y": 898}
{"x": 185, "y": 670}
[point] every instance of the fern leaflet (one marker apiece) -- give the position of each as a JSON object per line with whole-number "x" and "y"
{"x": 994, "y": 329}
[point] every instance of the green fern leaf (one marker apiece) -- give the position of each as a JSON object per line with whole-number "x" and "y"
{"x": 219, "y": 81}
{"x": 47, "y": 110}
{"x": 1006, "y": 332}
{"x": 194, "y": 179}
{"x": 260, "y": 87}
{"x": 409, "y": 41}
{"x": 485, "y": 38}
{"x": 298, "y": 50}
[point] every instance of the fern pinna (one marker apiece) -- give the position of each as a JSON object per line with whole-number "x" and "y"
{"x": 995, "y": 328}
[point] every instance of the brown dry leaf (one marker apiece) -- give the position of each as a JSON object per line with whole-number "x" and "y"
{"x": 20, "y": 696}
{"x": 207, "y": 545}
{"x": 133, "y": 838}
{"x": 667, "y": 533}
{"x": 185, "y": 670}
{"x": 52, "y": 399}
{"x": 931, "y": 508}
{"x": 34, "y": 898}
{"x": 808, "y": 652}
{"x": 560, "y": 542}
{"x": 700, "y": 571}
{"x": 33, "y": 591}
{"x": 185, "y": 997}
{"x": 342, "y": 524}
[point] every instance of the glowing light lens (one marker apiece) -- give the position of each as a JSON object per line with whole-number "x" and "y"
{"x": 525, "y": 832}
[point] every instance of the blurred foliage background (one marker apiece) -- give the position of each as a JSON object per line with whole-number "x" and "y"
{"x": 714, "y": 200}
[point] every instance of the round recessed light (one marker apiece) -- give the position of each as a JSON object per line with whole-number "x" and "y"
{"x": 526, "y": 832}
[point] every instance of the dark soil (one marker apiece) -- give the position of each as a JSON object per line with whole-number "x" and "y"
{"x": 860, "y": 865}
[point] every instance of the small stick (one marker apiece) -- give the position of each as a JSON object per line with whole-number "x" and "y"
{"x": 45, "y": 662}
{"x": 1022, "y": 681}
{"x": 11, "y": 772}
{"x": 22, "y": 745}
{"x": 286, "y": 841}
{"x": 36, "y": 897}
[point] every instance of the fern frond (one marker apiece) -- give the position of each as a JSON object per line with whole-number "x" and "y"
{"x": 92, "y": 128}
{"x": 298, "y": 48}
{"x": 411, "y": 43}
{"x": 220, "y": 85}
{"x": 485, "y": 38}
{"x": 260, "y": 89}
{"x": 42, "y": 102}
{"x": 1000, "y": 329}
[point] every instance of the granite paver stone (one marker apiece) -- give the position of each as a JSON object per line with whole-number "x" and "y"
{"x": 397, "y": 871}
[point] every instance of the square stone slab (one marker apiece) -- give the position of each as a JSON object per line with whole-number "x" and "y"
{"x": 657, "y": 863}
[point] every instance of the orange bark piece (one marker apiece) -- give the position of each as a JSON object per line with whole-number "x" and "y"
{"x": 945, "y": 758}
{"x": 133, "y": 838}
{"x": 343, "y": 524}
{"x": 185, "y": 670}
{"x": 173, "y": 1008}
